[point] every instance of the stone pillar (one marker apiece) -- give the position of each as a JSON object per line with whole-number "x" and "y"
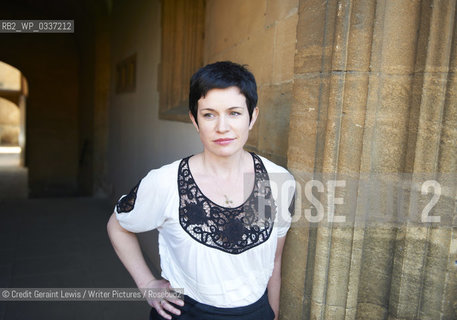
{"x": 22, "y": 145}
{"x": 375, "y": 105}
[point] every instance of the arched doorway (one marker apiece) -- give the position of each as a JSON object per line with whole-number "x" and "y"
{"x": 13, "y": 93}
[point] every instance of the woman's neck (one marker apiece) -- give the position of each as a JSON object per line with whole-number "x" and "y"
{"x": 224, "y": 167}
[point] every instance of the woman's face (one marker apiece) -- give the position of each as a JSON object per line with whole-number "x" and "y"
{"x": 223, "y": 121}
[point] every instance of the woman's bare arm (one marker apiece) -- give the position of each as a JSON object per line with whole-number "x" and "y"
{"x": 128, "y": 249}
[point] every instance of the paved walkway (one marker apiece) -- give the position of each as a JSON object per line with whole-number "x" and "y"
{"x": 61, "y": 243}
{"x": 9, "y": 156}
{"x": 13, "y": 178}
{"x": 13, "y": 182}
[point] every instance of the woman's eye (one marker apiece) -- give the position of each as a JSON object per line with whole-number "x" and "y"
{"x": 208, "y": 115}
{"x": 235, "y": 113}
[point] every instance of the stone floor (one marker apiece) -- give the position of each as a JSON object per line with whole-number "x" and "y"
{"x": 9, "y": 156}
{"x": 13, "y": 182}
{"x": 61, "y": 243}
{"x": 13, "y": 178}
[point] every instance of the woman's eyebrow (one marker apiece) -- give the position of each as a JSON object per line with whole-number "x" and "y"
{"x": 211, "y": 109}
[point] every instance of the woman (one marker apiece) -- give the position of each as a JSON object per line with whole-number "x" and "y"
{"x": 221, "y": 228}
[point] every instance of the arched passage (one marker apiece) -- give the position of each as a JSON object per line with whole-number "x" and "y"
{"x": 13, "y": 93}
{"x": 52, "y": 119}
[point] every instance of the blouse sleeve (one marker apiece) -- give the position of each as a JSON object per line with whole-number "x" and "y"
{"x": 143, "y": 208}
{"x": 286, "y": 203}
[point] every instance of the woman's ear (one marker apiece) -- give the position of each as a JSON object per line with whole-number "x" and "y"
{"x": 255, "y": 114}
{"x": 194, "y": 122}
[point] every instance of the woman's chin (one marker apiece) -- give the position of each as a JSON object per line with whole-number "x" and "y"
{"x": 225, "y": 151}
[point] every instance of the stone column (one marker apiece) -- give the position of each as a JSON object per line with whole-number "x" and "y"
{"x": 374, "y": 105}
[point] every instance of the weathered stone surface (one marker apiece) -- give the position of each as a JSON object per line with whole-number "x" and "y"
{"x": 449, "y": 302}
{"x": 317, "y": 310}
{"x": 9, "y": 113}
{"x": 361, "y": 35}
{"x": 338, "y": 271}
{"x": 407, "y": 271}
{"x": 255, "y": 51}
{"x": 313, "y": 43}
{"x": 291, "y": 302}
{"x": 435, "y": 272}
{"x": 280, "y": 9}
{"x": 293, "y": 272}
{"x": 369, "y": 311}
{"x": 447, "y": 161}
{"x": 441, "y": 28}
{"x": 398, "y": 47}
{"x": 284, "y": 49}
{"x": 354, "y": 272}
{"x": 232, "y": 22}
{"x": 340, "y": 36}
{"x": 275, "y": 102}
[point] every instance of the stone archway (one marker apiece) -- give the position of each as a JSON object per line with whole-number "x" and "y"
{"x": 13, "y": 93}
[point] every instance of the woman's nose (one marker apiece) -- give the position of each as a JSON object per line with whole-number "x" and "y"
{"x": 222, "y": 125}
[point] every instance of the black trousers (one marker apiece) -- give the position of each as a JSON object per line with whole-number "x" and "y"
{"x": 193, "y": 310}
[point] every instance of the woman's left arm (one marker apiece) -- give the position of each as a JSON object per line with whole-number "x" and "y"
{"x": 274, "y": 284}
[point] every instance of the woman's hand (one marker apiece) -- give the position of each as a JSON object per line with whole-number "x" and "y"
{"x": 163, "y": 306}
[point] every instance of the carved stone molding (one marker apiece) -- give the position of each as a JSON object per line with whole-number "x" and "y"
{"x": 374, "y": 94}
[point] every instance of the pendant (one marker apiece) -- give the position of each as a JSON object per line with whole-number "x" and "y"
{"x": 228, "y": 202}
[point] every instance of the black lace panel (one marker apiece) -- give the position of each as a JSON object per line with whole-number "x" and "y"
{"x": 127, "y": 203}
{"x": 232, "y": 230}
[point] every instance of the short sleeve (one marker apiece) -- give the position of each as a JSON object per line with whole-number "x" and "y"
{"x": 283, "y": 189}
{"x": 144, "y": 207}
{"x": 285, "y": 202}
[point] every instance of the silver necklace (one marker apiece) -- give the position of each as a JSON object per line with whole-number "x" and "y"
{"x": 228, "y": 202}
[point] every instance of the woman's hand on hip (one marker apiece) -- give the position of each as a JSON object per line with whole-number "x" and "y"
{"x": 163, "y": 305}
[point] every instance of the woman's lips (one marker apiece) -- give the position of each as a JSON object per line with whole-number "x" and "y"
{"x": 223, "y": 141}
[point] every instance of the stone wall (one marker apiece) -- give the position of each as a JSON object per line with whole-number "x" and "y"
{"x": 9, "y": 123}
{"x": 94, "y": 38}
{"x": 375, "y": 103}
{"x": 261, "y": 34}
{"x": 10, "y": 77}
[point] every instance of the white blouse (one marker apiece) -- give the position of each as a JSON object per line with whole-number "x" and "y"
{"x": 220, "y": 256}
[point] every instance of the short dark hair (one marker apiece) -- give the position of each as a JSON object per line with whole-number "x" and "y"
{"x": 221, "y": 75}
